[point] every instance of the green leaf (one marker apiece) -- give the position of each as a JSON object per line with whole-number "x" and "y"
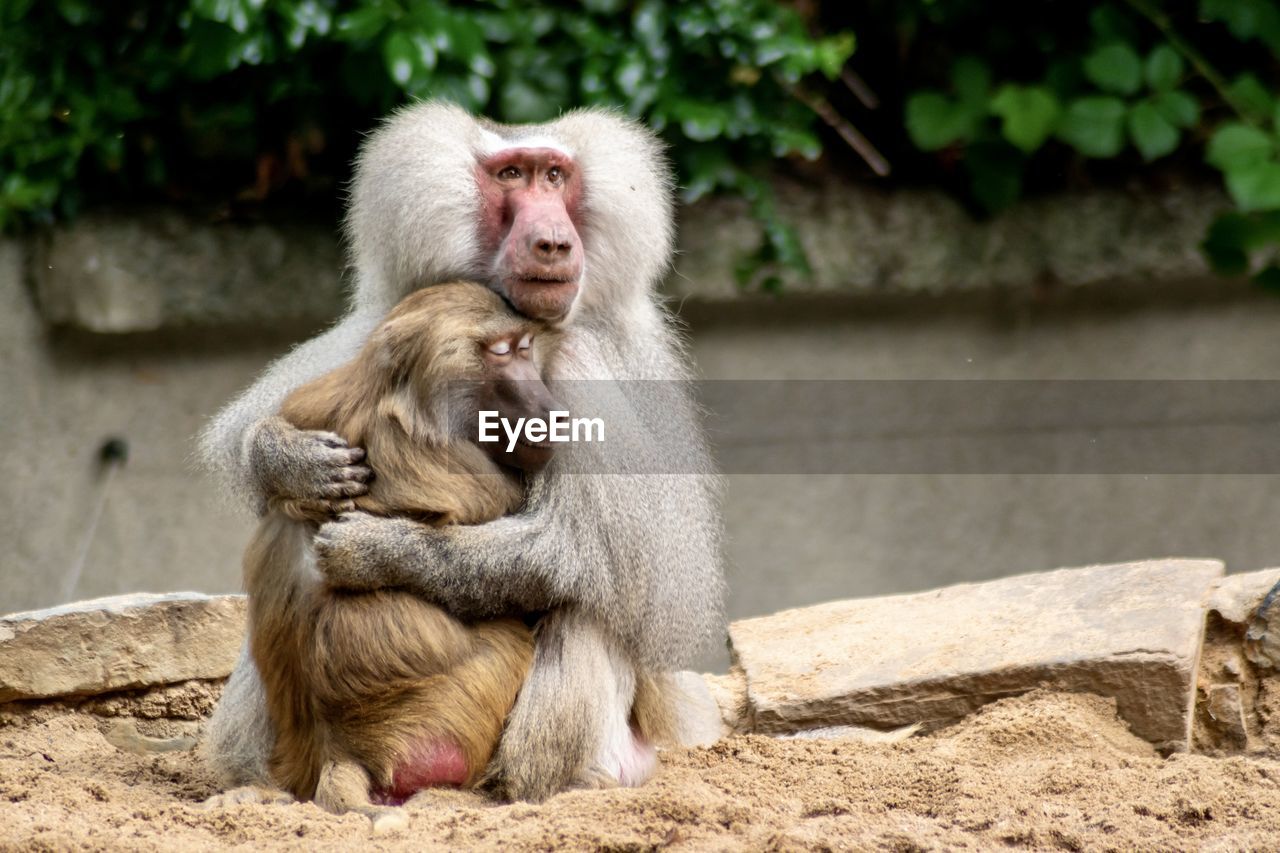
{"x": 1094, "y": 126}
{"x": 1237, "y": 145}
{"x": 1163, "y": 68}
{"x": 1178, "y": 108}
{"x": 1028, "y": 113}
{"x": 788, "y": 140}
{"x": 631, "y": 73}
{"x": 1255, "y": 186}
{"x": 400, "y": 55}
{"x": 1253, "y": 98}
{"x": 75, "y": 12}
{"x": 700, "y": 122}
{"x": 1246, "y": 19}
{"x": 834, "y": 52}
{"x": 935, "y": 121}
{"x": 1114, "y": 68}
{"x": 1152, "y": 134}
{"x": 361, "y": 24}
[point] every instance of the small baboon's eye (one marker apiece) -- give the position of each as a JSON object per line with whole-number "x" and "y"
{"x": 554, "y": 175}
{"x": 500, "y": 348}
{"x": 509, "y": 173}
{"x": 525, "y": 342}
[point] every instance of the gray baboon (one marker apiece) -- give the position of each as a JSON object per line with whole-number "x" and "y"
{"x": 571, "y": 223}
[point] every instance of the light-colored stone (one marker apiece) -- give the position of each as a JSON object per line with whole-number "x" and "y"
{"x": 120, "y": 642}
{"x": 124, "y": 736}
{"x": 1130, "y": 631}
{"x": 729, "y": 692}
{"x": 1224, "y": 707}
{"x": 1236, "y": 597}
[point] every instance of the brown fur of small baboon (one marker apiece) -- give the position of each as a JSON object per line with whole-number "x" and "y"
{"x": 358, "y": 678}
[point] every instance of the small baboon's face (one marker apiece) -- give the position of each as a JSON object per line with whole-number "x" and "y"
{"x": 513, "y": 387}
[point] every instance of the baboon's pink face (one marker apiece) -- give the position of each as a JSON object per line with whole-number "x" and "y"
{"x": 529, "y": 223}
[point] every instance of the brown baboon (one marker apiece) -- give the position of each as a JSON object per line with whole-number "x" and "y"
{"x": 570, "y": 221}
{"x": 376, "y": 695}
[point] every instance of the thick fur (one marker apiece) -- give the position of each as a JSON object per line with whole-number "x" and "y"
{"x": 633, "y": 560}
{"x": 364, "y": 678}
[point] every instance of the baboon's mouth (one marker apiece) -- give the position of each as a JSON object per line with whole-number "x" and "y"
{"x": 538, "y": 445}
{"x": 538, "y": 279}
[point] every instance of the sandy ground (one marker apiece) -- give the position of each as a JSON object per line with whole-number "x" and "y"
{"x": 1040, "y": 771}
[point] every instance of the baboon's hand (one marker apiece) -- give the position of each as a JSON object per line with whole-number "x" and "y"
{"x": 359, "y": 551}
{"x": 315, "y": 474}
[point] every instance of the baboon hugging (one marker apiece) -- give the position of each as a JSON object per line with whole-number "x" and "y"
{"x": 375, "y": 695}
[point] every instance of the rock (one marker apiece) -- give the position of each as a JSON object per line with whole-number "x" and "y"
{"x": 729, "y": 692}
{"x": 124, "y": 736}
{"x": 1236, "y": 597}
{"x": 855, "y": 733}
{"x": 1225, "y": 709}
{"x": 120, "y": 642}
{"x": 1130, "y": 631}
{"x": 1262, "y": 639}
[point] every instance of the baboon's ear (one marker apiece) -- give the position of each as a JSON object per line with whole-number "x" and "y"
{"x": 424, "y": 420}
{"x": 389, "y": 350}
{"x": 401, "y": 408}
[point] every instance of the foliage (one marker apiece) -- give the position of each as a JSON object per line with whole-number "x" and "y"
{"x": 992, "y": 98}
{"x": 97, "y": 98}
{"x": 1123, "y": 79}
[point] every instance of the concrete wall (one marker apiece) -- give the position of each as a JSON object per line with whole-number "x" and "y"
{"x": 802, "y": 539}
{"x": 791, "y": 539}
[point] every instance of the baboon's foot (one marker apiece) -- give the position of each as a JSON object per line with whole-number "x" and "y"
{"x": 248, "y": 794}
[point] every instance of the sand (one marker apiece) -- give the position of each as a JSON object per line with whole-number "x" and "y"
{"x": 1043, "y": 771}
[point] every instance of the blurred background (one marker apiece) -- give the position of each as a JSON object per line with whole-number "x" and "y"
{"x": 945, "y": 190}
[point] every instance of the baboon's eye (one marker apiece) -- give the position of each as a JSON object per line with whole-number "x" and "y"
{"x": 509, "y": 173}
{"x": 525, "y": 342}
{"x": 554, "y": 175}
{"x": 500, "y": 348}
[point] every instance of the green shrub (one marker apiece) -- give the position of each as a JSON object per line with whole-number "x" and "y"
{"x": 989, "y": 98}
{"x": 1133, "y": 82}
{"x": 100, "y": 100}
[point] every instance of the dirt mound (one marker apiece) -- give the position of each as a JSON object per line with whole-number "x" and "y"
{"x": 1043, "y": 770}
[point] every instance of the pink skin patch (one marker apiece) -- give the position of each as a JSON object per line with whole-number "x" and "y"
{"x": 431, "y": 763}
{"x": 529, "y": 221}
{"x": 638, "y": 762}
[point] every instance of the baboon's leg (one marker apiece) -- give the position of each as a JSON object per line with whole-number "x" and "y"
{"x": 344, "y": 787}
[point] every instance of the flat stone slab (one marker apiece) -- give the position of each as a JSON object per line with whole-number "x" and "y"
{"x": 1131, "y": 631}
{"x": 118, "y": 643}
